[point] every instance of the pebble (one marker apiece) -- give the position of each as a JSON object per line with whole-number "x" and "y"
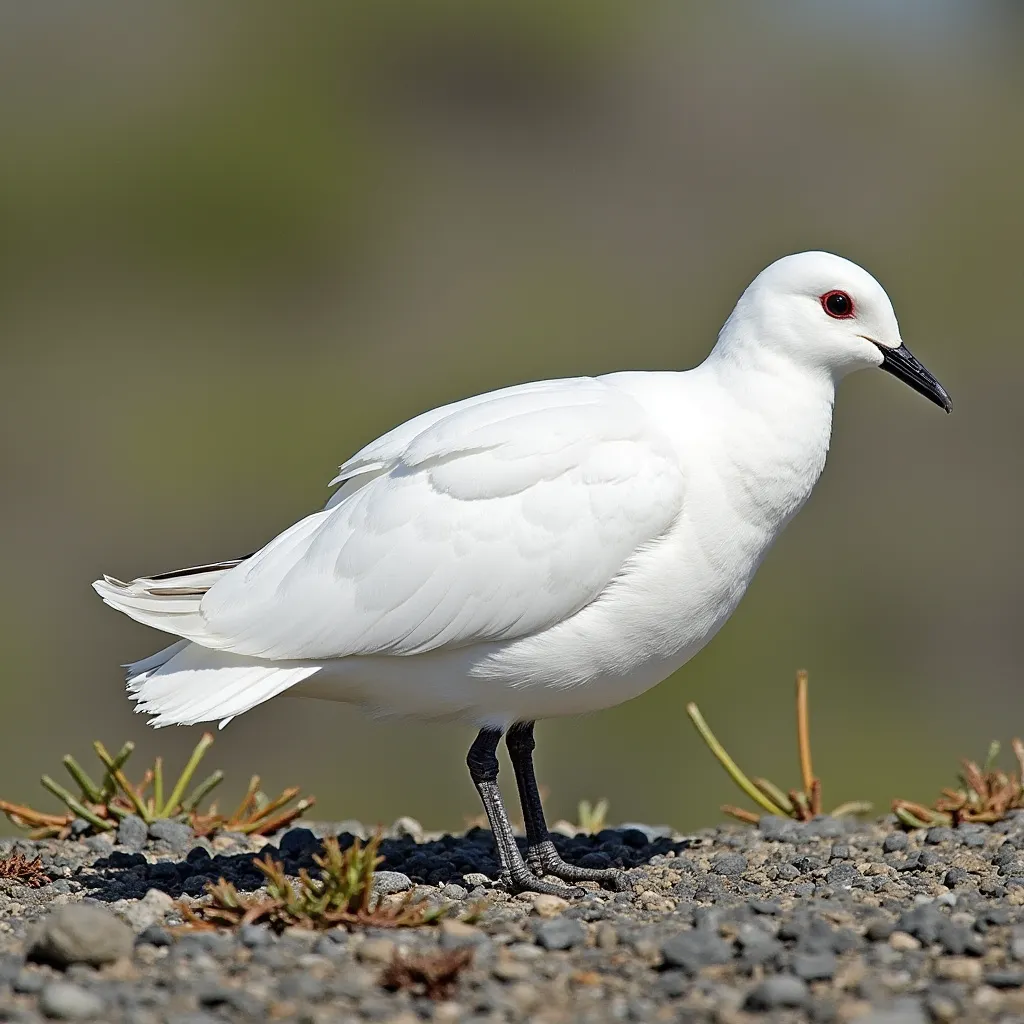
{"x": 132, "y": 832}
{"x": 389, "y": 883}
{"x": 176, "y": 834}
{"x": 61, "y": 1000}
{"x": 782, "y": 990}
{"x": 560, "y": 933}
{"x": 546, "y": 905}
{"x": 81, "y": 934}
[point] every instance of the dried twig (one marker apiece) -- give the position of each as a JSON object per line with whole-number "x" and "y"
{"x": 985, "y": 794}
{"x": 801, "y": 804}
{"x": 433, "y": 975}
{"x": 21, "y": 868}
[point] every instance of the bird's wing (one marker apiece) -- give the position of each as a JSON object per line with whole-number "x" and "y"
{"x": 483, "y": 521}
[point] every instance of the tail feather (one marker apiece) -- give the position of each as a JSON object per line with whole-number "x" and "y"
{"x": 186, "y": 683}
{"x": 169, "y": 601}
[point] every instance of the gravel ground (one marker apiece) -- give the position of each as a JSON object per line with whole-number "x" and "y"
{"x": 817, "y": 922}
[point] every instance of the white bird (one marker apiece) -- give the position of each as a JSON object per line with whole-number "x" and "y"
{"x": 547, "y": 549}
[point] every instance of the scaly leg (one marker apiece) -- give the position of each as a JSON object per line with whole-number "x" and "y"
{"x": 483, "y": 769}
{"x": 541, "y": 852}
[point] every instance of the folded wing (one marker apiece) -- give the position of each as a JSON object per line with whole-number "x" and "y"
{"x": 483, "y": 521}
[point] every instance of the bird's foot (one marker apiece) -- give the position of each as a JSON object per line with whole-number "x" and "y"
{"x": 526, "y": 881}
{"x": 544, "y": 859}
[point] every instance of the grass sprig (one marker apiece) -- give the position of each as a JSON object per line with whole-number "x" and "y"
{"x": 800, "y": 804}
{"x": 341, "y": 894}
{"x": 103, "y": 804}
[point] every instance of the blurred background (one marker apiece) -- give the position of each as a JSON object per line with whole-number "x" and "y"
{"x": 239, "y": 241}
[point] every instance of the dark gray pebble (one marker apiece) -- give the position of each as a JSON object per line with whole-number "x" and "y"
{"x": 894, "y": 842}
{"x": 694, "y": 949}
{"x": 175, "y": 834}
{"x": 298, "y": 841}
{"x": 815, "y": 966}
{"x": 560, "y": 933}
{"x": 778, "y": 991}
{"x": 132, "y": 832}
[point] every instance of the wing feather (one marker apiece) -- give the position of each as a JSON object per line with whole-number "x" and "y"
{"x": 484, "y": 521}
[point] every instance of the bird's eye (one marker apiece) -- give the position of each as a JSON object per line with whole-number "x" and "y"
{"x": 837, "y": 304}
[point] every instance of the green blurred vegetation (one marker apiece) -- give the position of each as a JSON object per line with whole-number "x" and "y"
{"x": 237, "y": 242}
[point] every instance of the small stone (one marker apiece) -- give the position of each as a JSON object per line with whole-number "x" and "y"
{"x": 81, "y": 933}
{"x": 814, "y": 966}
{"x": 903, "y": 942}
{"x": 176, "y": 834}
{"x": 253, "y": 936}
{"x": 61, "y": 1000}
{"x": 132, "y": 832}
{"x": 729, "y": 864}
{"x": 939, "y": 834}
{"x": 547, "y": 905}
{"x": 560, "y": 933}
{"x": 388, "y": 883}
{"x": 28, "y": 983}
{"x": 955, "y": 877}
{"x": 694, "y": 949}
{"x": 297, "y": 841}
{"x": 879, "y": 929}
{"x": 779, "y": 990}
{"x": 376, "y": 951}
{"x": 1005, "y": 979}
{"x": 456, "y": 934}
{"x": 407, "y": 828}
{"x": 452, "y": 891}
{"x": 902, "y": 1011}
{"x": 154, "y": 935}
{"x": 475, "y": 878}
{"x": 894, "y": 842}
{"x": 508, "y": 969}
{"x": 958, "y": 968}
{"x": 140, "y": 914}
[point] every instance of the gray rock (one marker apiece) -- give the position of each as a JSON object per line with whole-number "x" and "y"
{"x": 81, "y": 933}
{"x": 902, "y": 1011}
{"x": 28, "y": 982}
{"x": 692, "y": 950}
{"x": 814, "y": 966}
{"x": 779, "y": 990}
{"x": 132, "y": 832}
{"x": 61, "y": 1000}
{"x": 729, "y": 864}
{"x": 387, "y": 883}
{"x": 560, "y": 933}
{"x": 175, "y": 834}
{"x": 894, "y": 841}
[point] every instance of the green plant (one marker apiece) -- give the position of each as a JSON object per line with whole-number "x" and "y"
{"x": 340, "y": 895}
{"x": 986, "y": 794}
{"x": 102, "y": 805}
{"x": 800, "y": 804}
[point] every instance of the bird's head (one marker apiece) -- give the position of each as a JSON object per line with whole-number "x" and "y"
{"x": 828, "y": 315}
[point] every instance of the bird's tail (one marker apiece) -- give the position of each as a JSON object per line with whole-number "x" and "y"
{"x": 169, "y": 601}
{"x": 186, "y": 683}
{"x": 191, "y": 681}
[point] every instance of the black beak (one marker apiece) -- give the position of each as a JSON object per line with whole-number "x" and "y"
{"x": 900, "y": 362}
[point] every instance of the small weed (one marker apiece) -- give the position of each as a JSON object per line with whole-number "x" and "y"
{"x": 433, "y": 975}
{"x": 592, "y": 818}
{"x": 29, "y": 872}
{"x": 103, "y": 805}
{"x": 801, "y": 804}
{"x": 986, "y": 794}
{"x": 341, "y": 895}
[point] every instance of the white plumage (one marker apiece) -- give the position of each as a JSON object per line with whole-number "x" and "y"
{"x": 546, "y": 549}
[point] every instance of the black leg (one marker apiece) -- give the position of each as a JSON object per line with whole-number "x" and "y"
{"x": 540, "y": 850}
{"x": 483, "y": 770}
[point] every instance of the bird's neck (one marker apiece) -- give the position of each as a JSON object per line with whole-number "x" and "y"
{"x": 776, "y": 424}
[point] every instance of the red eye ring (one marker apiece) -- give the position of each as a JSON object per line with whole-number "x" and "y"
{"x": 838, "y": 305}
